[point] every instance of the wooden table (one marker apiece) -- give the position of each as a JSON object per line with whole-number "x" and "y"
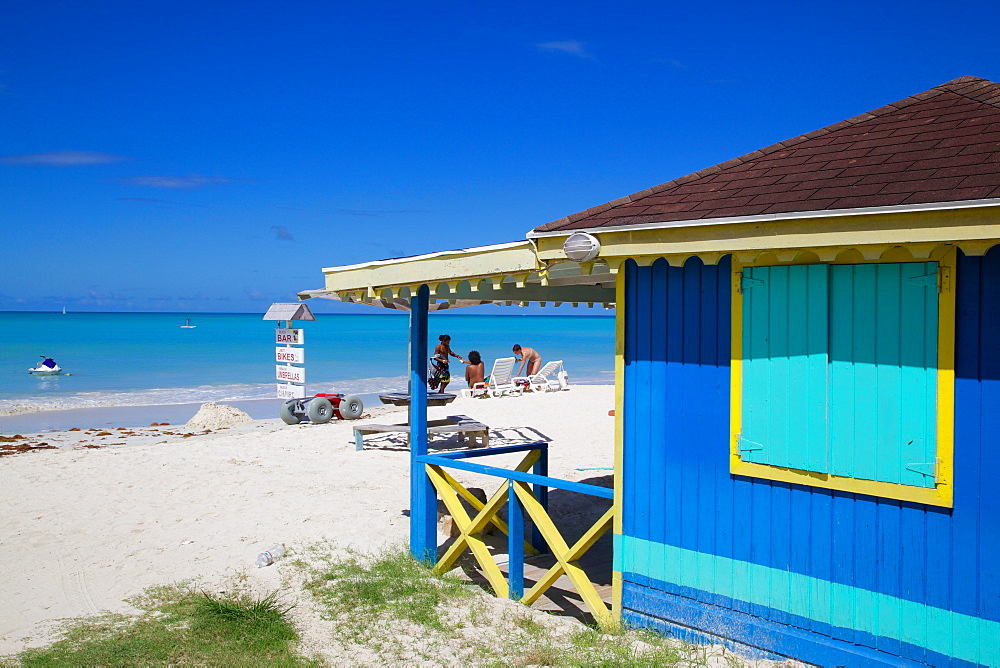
{"x": 403, "y": 398}
{"x": 463, "y": 425}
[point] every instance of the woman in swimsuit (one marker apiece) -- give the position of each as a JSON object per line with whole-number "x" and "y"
{"x": 529, "y": 357}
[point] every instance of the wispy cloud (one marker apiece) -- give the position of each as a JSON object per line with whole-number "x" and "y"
{"x": 176, "y": 182}
{"x": 570, "y": 46}
{"x": 281, "y": 233}
{"x": 62, "y": 159}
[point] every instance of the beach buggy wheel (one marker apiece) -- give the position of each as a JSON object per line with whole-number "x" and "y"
{"x": 350, "y": 407}
{"x": 320, "y": 410}
{"x": 287, "y": 414}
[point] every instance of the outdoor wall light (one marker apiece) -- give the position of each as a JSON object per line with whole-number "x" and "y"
{"x": 582, "y": 247}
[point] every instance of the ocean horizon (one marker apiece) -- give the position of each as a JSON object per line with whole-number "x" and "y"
{"x": 149, "y": 359}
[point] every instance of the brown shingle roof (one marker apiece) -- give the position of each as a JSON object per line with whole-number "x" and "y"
{"x": 942, "y": 145}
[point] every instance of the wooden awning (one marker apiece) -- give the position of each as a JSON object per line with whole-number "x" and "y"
{"x": 499, "y": 274}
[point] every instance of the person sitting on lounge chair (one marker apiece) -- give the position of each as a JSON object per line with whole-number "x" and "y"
{"x": 475, "y": 372}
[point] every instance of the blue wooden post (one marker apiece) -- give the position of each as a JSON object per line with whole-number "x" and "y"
{"x": 423, "y": 499}
{"x": 542, "y": 494}
{"x": 515, "y": 544}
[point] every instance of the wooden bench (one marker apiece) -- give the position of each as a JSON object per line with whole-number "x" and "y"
{"x": 477, "y": 432}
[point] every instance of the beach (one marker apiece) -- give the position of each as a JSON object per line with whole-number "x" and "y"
{"x": 98, "y": 515}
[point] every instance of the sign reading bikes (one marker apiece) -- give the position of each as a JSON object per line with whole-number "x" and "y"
{"x": 290, "y": 374}
{"x": 293, "y": 337}
{"x": 290, "y": 355}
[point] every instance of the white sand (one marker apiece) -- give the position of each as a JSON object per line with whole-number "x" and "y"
{"x": 84, "y": 528}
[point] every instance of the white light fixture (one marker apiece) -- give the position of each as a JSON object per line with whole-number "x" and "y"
{"x": 582, "y": 247}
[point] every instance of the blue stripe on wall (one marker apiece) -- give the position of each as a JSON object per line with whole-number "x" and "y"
{"x": 746, "y": 634}
{"x": 954, "y": 634}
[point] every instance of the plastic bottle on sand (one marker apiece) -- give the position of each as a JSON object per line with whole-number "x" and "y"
{"x": 269, "y": 556}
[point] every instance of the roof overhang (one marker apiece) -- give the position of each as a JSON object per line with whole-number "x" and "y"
{"x": 537, "y": 270}
{"x": 500, "y": 274}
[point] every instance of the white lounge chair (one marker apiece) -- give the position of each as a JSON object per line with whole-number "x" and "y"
{"x": 543, "y": 380}
{"x": 499, "y": 381}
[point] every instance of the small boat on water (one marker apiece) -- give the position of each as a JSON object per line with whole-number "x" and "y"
{"x": 47, "y": 367}
{"x": 187, "y": 324}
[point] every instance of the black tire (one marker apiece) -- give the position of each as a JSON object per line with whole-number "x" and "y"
{"x": 286, "y": 412}
{"x": 351, "y": 407}
{"x": 320, "y": 410}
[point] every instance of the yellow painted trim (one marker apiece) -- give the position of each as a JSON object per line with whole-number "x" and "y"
{"x": 469, "y": 529}
{"x": 479, "y": 505}
{"x": 449, "y": 489}
{"x": 943, "y": 493}
{"x": 616, "y": 576}
{"x": 566, "y": 556}
{"x": 957, "y": 226}
{"x": 736, "y": 366}
{"x": 946, "y": 378}
{"x": 932, "y": 497}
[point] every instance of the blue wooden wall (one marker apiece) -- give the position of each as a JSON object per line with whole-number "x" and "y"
{"x": 830, "y": 577}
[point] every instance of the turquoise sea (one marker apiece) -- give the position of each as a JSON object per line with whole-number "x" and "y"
{"x": 146, "y": 359}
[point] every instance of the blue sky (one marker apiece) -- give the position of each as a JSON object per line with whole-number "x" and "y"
{"x": 214, "y": 156}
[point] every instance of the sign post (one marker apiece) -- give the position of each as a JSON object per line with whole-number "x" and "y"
{"x": 291, "y": 351}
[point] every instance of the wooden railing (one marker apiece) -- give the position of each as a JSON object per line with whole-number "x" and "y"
{"x": 522, "y": 492}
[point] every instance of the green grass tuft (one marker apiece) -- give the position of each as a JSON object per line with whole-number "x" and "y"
{"x": 391, "y": 585}
{"x": 178, "y": 626}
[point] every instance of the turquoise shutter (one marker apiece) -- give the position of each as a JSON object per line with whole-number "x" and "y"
{"x": 784, "y": 389}
{"x": 883, "y": 372}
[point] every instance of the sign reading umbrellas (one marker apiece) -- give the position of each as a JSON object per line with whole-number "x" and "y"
{"x": 289, "y": 351}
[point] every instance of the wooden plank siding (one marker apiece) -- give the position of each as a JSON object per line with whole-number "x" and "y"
{"x": 826, "y": 576}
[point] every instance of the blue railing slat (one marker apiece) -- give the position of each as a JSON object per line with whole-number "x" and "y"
{"x": 569, "y": 486}
{"x": 486, "y": 452}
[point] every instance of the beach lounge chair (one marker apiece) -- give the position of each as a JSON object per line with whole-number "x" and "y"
{"x": 543, "y": 380}
{"x": 477, "y": 390}
{"x": 498, "y": 383}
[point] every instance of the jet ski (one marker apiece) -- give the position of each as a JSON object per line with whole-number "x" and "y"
{"x": 47, "y": 367}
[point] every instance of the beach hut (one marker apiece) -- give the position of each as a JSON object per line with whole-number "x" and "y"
{"x": 808, "y": 382}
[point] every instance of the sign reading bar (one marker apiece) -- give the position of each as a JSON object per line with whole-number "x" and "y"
{"x": 291, "y": 391}
{"x": 290, "y": 355}
{"x": 295, "y": 337}
{"x": 291, "y": 374}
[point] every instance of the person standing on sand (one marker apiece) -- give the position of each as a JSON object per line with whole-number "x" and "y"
{"x": 527, "y": 356}
{"x": 440, "y": 373}
{"x": 476, "y": 371}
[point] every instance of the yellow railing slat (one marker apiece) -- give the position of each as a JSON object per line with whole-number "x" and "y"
{"x": 475, "y": 543}
{"x": 565, "y": 556}
{"x": 452, "y": 492}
